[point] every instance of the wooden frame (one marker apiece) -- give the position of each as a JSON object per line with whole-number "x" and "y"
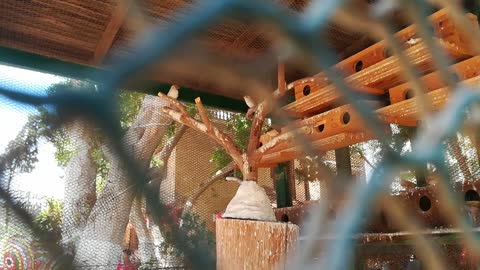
{"x": 343, "y": 119}
{"x": 119, "y": 14}
{"x": 382, "y": 75}
{"x": 444, "y": 28}
{"x": 322, "y": 145}
{"x": 336, "y": 134}
{"x": 406, "y": 112}
{"x": 465, "y": 70}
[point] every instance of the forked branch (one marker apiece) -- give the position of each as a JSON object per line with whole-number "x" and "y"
{"x": 203, "y": 113}
{"x": 253, "y": 152}
{"x": 181, "y": 116}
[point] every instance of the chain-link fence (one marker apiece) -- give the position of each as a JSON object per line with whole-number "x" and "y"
{"x": 139, "y": 190}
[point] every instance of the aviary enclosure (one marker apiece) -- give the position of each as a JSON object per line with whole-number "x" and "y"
{"x": 231, "y": 134}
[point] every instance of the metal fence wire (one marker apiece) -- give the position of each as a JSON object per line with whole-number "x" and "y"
{"x": 165, "y": 197}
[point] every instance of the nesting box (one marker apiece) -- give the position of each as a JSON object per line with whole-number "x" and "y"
{"x": 425, "y": 206}
{"x": 295, "y": 214}
{"x": 469, "y": 192}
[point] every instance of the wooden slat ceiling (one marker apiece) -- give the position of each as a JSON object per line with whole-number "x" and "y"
{"x": 87, "y": 31}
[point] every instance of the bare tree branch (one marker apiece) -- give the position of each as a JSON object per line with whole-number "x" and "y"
{"x": 220, "y": 137}
{"x": 203, "y": 113}
{"x": 166, "y": 150}
{"x": 222, "y": 173}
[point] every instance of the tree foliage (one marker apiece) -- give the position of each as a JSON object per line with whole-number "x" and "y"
{"x": 199, "y": 237}
{"x": 51, "y": 218}
{"x": 239, "y": 125}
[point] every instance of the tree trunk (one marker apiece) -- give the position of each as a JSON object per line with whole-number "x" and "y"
{"x": 100, "y": 243}
{"x": 80, "y": 189}
{"x": 145, "y": 238}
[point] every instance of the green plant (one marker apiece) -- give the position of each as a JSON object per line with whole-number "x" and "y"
{"x": 239, "y": 125}
{"x": 149, "y": 265}
{"x": 51, "y": 219}
{"x": 198, "y": 237}
{"x": 220, "y": 158}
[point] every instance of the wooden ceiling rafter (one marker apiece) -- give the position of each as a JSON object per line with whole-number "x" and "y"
{"x": 117, "y": 19}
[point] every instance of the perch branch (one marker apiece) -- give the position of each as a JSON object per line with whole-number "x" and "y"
{"x": 220, "y": 137}
{"x": 173, "y": 101}
{"x": 285, "y": 137}
{"x": 259, "y": 119}
{"x": 165, "y": 152}
{"x": 203, "y": 113}
{"x": 250, "y": 163}
{"x": 365, "y": 159}
{"x": 257, "y": 125}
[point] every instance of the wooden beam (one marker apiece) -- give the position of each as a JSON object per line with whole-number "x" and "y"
{"x": 444, "y": 28}
{"x": 116, "y": 21}
{"x": 39, "y": 33}
{"x": 322, "y": 145}
{"x": 465, "y": 70}
{"x": 337, "y": 136}
{"x": 406, "y": 112}
{"x": 336, "y": 121}
{"x": 382, "y": 75}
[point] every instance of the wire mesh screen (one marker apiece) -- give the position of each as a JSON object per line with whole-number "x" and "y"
{"x": 93, "y": 177}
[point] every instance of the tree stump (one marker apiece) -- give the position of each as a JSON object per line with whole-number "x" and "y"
{"x": 250, "y": 244}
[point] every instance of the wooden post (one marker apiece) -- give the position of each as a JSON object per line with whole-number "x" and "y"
{"x": 420, "y": 176}
{"x": 284, "y": 198}
{"x": 420, "y": 171}
{"x": 248, "y": 244}
{"x": 291, "y": 179}
{"x": 343, "y": 162}
{"x": 306, "y": 185}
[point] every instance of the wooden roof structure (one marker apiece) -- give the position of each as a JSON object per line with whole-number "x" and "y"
{"x": 75, "y": 37}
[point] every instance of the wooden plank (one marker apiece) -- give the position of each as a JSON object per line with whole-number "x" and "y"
{"x": 268, "y": 136}
{"x": 406, "y": 112}
{"x": 443, "y": 27}
{"x": 382, "y": 75}
{"x": 343, "y": 164}
{"x": 248, "y": 244}
{"x": 322, "y": 145}
{"x": 105, "y": 43}
{"x": 39, "y": 33}
{"x": 336, "y": 121}
{"x": 465, "y": 70}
